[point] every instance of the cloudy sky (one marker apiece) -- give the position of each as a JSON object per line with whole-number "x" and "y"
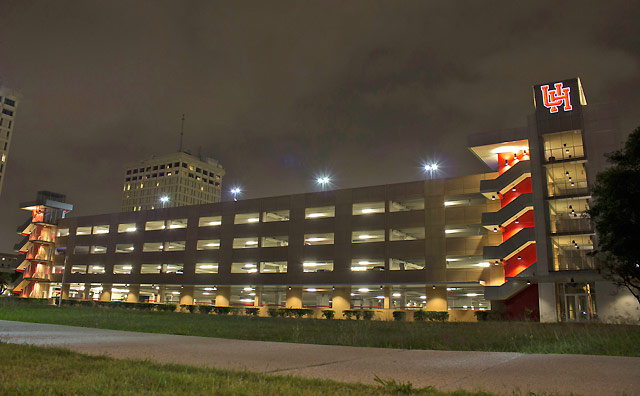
{"x": 279, "y": 91}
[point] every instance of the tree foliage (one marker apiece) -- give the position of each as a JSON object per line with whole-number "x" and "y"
{"x": 616, "y": 214}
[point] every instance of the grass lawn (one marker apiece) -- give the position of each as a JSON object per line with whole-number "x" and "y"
{"x": 33, "y": 371}
{"x": 575, "y": 338}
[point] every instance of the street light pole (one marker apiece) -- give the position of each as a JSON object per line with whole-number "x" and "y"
{"x": 164, "y": 199}
{"x": 235, "y": 191}
{"x": 323, "y": 181}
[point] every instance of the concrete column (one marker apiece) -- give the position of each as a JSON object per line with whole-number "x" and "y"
{"x": 436, "y": 299}
{"x": 134, "y": 294}
{"x": 106, "y": 292}
{"x": 387, "y": 297}
{"x": 161, "y": 290}
{"x": 87, "y": 292}
{"x": 258, "y": 298}
{"x": 294, "y": 297}
{"x": 547, "y": 302}
{"x": 65, "y": 291}
{"x": 223, "y": 295}
{"x": 341, "y": 300}
{"x": 186, "y": 295}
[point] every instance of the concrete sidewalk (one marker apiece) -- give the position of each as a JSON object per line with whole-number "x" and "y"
{"x": 500, "y": 372}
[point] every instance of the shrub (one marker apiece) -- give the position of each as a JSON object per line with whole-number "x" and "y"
{"x": 481, "y": 316}
{"x": 205, "y": 309}
{"x": 221, "y": 310}
{"x": 489, "y": 316}
{"x": 368, "y": 315}
{"x": 188, "y": 307}
{"x": 436, "y": 316}
{"x": 419, "y": 315}
{"x": 349, "y": 313}
{"x": 399, "y": 315}
{"x": 276, "y": 312}
{"x": 328, "y": 313}
{"x": 235, "y": 311}
{"x": 252, "y": 311}
{"x": 298, "y": 312}
{"x": 167, "y": 307}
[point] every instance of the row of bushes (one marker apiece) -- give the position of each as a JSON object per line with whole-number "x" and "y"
{"x": 357, "y": 314}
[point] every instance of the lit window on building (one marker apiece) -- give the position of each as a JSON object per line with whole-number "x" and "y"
{"x": 368, "y": 208}
{"x": 275, "y": 215}
{"x": 154, "y": 225}
{"x": 406, "y": 205}
{"x": 273, "y": 267}
{"x": 172, "y": 268}
{"x": 122, "y": 268}
{"x": 406, "y": 234}
{"x": 152, "y": 247}
{"x": 176, "y": 223}
{"x": 208, "y": 244}
{"x": 124, "y": 248}
{"x": 275, "y": 241}
{"x": 98, "y": 249}
{"x": 101, "y": 229}
{"x": 206, "y": 268}
{"x": 320, "y": 212}
{"x": 174, "y": 246}
{"x": 151, "y": 268}
{"x": 318, "y": 239}
{"x": 367, "y": 236}
{"x": 127, "y": 227}
{"x": 245, "y": 243}
{"x": 317, "y": 266}
{"x": 247, "y": 218}
{"x": 358, "y": 265}
{"x": 244, "y": 268}
{"x": 83, "y": 230}
{"x": 396, "y": 264}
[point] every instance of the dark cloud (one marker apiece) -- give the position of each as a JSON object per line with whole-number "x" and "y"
{"x": 282, "y": 91}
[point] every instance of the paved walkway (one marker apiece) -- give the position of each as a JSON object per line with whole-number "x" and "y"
{"x": 500, "y": 372}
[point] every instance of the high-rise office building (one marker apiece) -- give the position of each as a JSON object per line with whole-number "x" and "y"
{"x": 177, "y": 179}
{"x": 9, "y": 100}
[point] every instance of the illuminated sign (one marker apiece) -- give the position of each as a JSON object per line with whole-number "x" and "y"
{"x": 552, "y": 99}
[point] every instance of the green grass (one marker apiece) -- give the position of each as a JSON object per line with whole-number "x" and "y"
{"x": 33, "y": 371}
{"x": 525, "y": 337}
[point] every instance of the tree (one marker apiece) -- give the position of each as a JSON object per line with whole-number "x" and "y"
{"x": 6, "y": 278}
{"x": 616, "y": 214}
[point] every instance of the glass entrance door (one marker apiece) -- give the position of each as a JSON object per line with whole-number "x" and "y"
{"x": 577, "y": 307}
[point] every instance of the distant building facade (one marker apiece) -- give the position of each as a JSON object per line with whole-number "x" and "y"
{"x": 9, "y": 101}
{"x": 515, "y": 239}
{"x": 9, "y": 262}
{"x": 171, "y": 180}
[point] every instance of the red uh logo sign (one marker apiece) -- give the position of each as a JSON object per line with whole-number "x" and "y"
{"x": 552, "y": 99}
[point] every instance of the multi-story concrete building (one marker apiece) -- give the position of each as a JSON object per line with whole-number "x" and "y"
{"x": 9, "y": 101}
{"x": 515, "y": 239}
{"x": 171, "y": 180}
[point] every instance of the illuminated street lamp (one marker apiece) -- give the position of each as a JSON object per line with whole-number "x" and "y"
{"x": 431, "y": 168}
{"x": 164, "y": 199}
{"x": 235, "y": 191}
{"x": 323, "y": 181}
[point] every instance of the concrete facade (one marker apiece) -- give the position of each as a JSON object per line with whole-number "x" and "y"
{"x": 9, "y": 102}
{"x": 515, "y": 239}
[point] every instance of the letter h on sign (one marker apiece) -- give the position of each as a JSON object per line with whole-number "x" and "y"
{"x": 555, "y": 98}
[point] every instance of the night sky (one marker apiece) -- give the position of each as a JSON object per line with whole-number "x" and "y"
{"x": 280, "y": 92}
